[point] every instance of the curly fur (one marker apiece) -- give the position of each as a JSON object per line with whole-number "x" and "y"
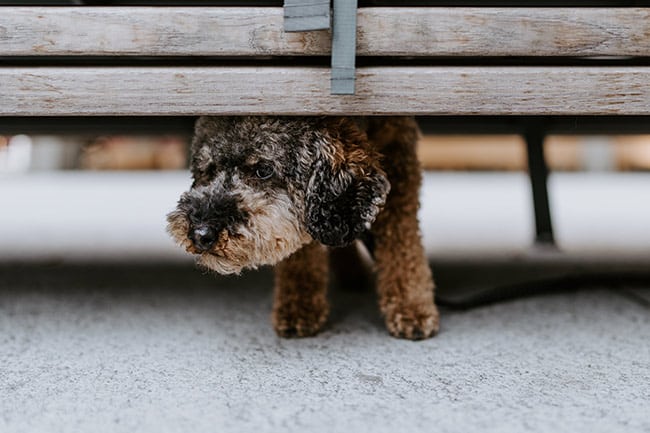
{"x": 279, "y": 190}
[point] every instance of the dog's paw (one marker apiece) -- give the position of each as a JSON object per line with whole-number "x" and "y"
{"x": 414, "y": 322}
{"x": 304, "y": 320}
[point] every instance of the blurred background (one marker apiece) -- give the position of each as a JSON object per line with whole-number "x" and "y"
{"x": 67, "y": 197}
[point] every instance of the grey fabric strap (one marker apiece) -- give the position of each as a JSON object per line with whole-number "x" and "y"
{"x": 304, "y": 15}
{"x": 344, "y": 43}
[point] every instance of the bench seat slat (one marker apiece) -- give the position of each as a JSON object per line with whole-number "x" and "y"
{"x": 258, "y": 31}
{"x": 51, "y": 91}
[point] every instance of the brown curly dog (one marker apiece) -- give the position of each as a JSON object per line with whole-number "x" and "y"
{"x": 282, "y": 190}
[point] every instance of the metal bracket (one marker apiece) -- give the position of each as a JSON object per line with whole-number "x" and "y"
{"x": 306, "y": 15}
{"x": 344, "y": 46}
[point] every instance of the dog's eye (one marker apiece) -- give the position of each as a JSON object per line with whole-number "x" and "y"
{"x": 264, "y": 171}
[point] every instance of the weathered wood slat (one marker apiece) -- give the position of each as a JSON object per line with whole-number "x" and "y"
{"x": 212, "y": 31}
{"x": 155, "y": 31}
{"x": 285, "y": 90}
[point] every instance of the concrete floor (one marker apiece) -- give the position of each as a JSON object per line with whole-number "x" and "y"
{"x": 151, "y": 348}
{"x": 156, "y": 348}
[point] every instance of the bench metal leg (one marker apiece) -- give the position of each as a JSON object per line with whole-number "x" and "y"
{"x": 538, "y": 172}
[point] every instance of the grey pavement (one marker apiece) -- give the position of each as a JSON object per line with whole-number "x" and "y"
{"x": 164, "y": 348}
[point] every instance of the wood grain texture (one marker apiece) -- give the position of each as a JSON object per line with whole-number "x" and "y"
{"x": 285, "y": 90}
{"x": 212, "y": 31}
{"x": 153, "y": 31}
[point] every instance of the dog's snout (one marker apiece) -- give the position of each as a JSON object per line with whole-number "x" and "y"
{"x": 203, "y": 237}
{"x": 209, "y": 215}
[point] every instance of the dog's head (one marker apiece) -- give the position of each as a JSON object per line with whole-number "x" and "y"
{"x": 265, "y": 186}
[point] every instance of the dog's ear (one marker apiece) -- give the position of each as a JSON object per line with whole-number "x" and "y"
{"x": 347, "y": 187}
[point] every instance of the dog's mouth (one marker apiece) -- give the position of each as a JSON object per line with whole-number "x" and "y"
{"x": 211, "y": 253}
{"x": 223, "y": 259}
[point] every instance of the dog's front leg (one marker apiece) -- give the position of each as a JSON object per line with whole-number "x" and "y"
{"x": 300, "y": 307}
{"x": 404, "y": 279}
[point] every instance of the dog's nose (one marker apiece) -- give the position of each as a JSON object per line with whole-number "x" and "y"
{"x": 203, "y": 237}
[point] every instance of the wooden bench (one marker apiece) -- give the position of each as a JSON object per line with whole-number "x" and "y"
{"x": 506, "y": 68}
{"x": 438, "y": 80}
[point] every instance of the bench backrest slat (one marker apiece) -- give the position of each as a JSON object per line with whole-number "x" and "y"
{"x": 51, "y": 91}
{"x": 255, "y": 31}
